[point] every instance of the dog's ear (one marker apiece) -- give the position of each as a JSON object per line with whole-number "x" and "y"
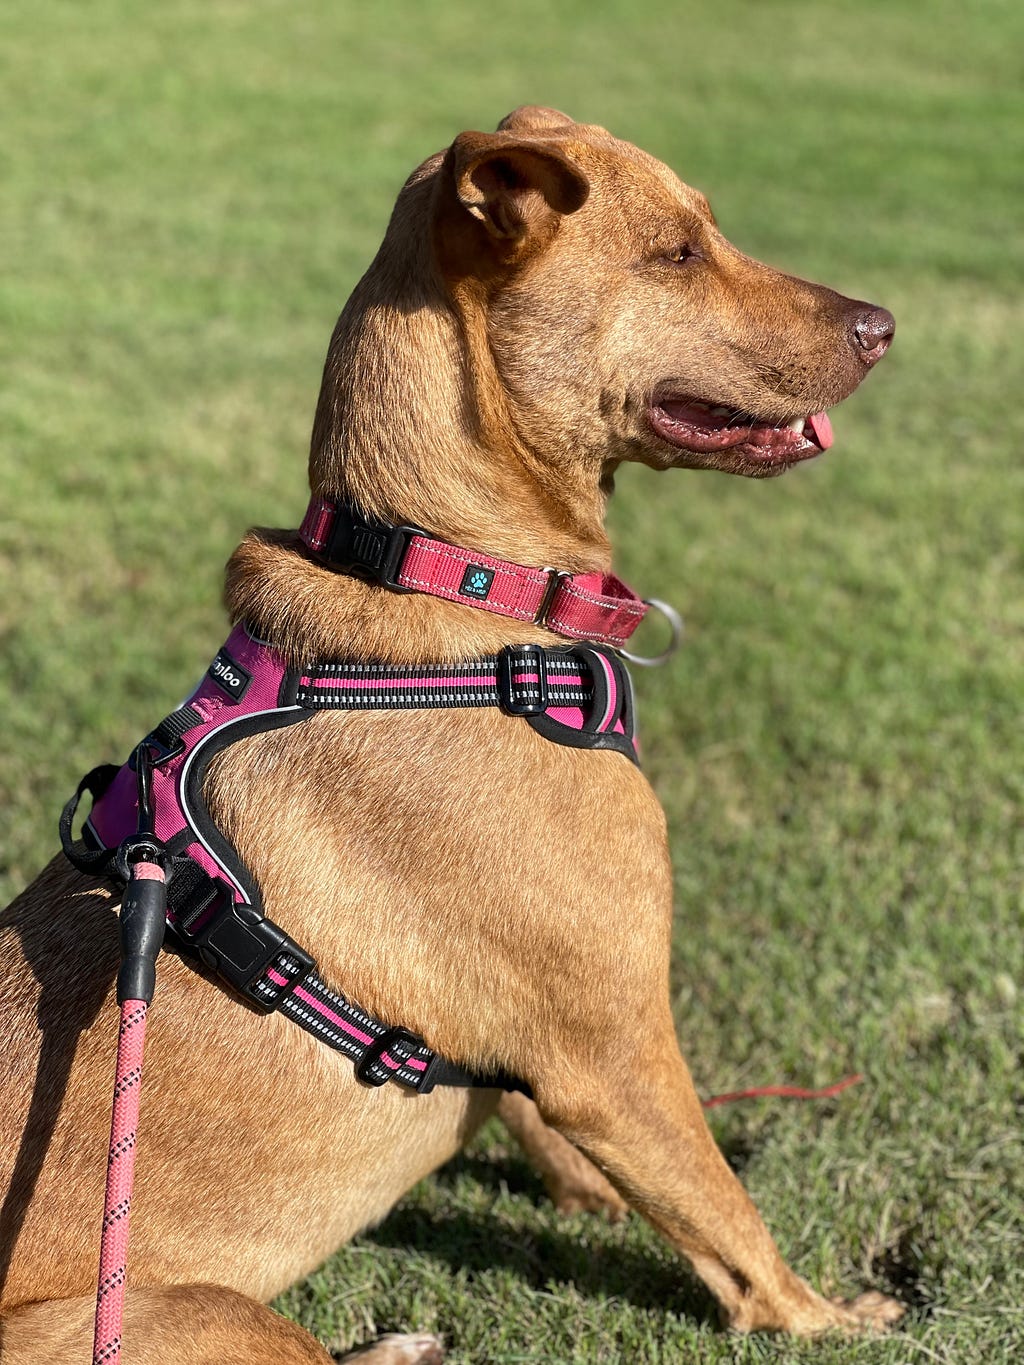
{"x": 534, "y": 118}
{"x": 516, "y": 186}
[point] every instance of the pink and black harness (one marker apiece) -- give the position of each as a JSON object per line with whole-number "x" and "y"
{"x": 578, "y": 695}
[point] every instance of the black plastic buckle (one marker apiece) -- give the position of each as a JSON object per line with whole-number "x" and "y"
{"x": 373, "y": 1054}
{"x": 239, "y": 944}
{"x": 519, "y": 698}
{"x": 361, "y": 545}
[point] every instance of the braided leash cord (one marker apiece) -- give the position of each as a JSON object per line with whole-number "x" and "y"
{"x": 117, "y": 1203}
{"x": 143, "y": 908}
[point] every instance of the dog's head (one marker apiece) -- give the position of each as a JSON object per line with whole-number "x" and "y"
{"x": 621, "y": 323}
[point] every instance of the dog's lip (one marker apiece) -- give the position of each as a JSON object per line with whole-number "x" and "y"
{"x": 696, "y": 425}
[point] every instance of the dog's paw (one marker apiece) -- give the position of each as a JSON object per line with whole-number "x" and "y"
{"x": 803, "y": 1312}
{"x": 397, "y": 1348}
{"x": 869, "y": 1312}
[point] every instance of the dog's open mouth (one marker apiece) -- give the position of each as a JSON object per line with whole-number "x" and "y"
{"x": 708, "y": 427}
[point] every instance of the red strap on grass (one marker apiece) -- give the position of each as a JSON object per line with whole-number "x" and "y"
{"x": 787, "y": 1092}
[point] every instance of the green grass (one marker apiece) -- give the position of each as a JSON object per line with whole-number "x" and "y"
{"x": 191, "y": 189}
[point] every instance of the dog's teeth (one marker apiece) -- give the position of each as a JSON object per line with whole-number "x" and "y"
{"x": 797, "y": 425}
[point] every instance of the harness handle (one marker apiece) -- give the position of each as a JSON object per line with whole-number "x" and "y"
{"x": 95, "y": 862}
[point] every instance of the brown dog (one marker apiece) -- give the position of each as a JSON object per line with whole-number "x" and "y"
{"x": 547, "y": 302}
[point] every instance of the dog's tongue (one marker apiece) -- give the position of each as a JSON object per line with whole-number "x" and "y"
{"x": 822, "y": 429}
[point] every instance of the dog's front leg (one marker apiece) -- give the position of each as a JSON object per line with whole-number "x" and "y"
{"x": 573, "y": 1183}
{"x": 637, "y": 1115}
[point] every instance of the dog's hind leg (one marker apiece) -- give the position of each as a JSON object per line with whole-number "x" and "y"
{"x": 398, "y": 1349}
{"x": 572, "y": 1182}
{"x": 189, "y": 1324}
{"x": 200, "y": 1324}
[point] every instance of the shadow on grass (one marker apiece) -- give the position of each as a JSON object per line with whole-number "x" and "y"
{"x": 603, "y": 1264}
{"x": 899, "y": 1268}
{"x": 609, "y": 1265}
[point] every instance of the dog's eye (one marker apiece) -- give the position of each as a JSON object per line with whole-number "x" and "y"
{"x": 679, "y": 255}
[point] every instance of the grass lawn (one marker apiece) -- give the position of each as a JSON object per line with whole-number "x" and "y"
{"x": 189, "y": 192}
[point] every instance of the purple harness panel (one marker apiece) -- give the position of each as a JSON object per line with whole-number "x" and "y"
{"x": 258, "y": 676}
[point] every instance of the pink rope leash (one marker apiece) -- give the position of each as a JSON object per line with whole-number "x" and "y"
{"x": 145, "y": 884}
{"x": 117, "y": 1204}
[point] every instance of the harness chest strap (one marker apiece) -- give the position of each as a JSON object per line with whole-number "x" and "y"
{"x": 579, "y": 696}
{"x": 589, "y": 606}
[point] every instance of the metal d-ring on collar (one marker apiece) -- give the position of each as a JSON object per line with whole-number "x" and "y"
{"x": 556, "y": 577}
{"x": 675, "y": 622}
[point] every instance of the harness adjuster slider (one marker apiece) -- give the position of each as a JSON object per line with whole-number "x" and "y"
{"x": 361, "y": 545}
{"x": 239, "y": 944}
{"x": 522, "y": 680}
{"x": 371, "y": 1069}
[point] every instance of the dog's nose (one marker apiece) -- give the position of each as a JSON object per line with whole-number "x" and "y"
{"x": 874, "y": 330}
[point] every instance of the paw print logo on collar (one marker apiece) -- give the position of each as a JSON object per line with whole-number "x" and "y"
{"x": 476, "y": 582}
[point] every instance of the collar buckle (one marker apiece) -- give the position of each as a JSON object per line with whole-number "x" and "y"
{"x": 374, "y": 549}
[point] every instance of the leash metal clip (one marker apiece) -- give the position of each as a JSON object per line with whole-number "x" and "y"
{"x": 675, "y": 622}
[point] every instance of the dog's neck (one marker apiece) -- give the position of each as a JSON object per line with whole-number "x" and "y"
{"x": 413, "y": 426}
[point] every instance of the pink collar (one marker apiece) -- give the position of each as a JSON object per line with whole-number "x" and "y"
{"x": 589, "y": 606}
